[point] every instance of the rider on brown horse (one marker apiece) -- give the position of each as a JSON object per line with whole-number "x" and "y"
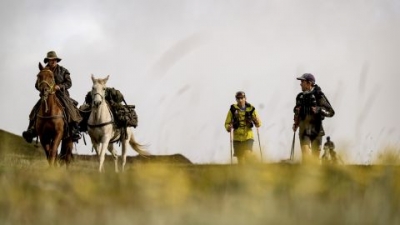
{"x": 63, "y": 83}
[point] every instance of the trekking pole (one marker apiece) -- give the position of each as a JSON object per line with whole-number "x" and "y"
{"x": 292, "y": 150}
{"x": 259, "y": 144}
{"x": 231, "y": 143}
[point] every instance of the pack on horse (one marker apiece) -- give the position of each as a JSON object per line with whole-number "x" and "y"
{"x": 50, "y": 120}
{"x": 103, "y": 129}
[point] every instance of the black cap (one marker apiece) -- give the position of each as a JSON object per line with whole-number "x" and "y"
{"x": 240, "y": 94}
{"x": 307, "y": 77}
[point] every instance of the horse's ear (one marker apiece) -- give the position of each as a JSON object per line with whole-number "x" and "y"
{"x": 40, "y": 66}
{"x": 93, "y": 79}
{"x": 106, "y": 79}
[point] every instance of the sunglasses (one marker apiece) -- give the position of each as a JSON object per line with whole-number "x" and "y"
{"x": 239, "y": 98}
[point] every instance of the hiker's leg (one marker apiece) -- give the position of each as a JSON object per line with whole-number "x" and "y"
{"x": 305, "y": 144}
{"x": 316, "y": 147}
{"x": 248, "y": 151}
{"x": 334, "y": 157}
{"x": 239, "y": 151}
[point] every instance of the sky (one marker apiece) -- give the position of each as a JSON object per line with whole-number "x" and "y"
{"x": 181, "y": 62}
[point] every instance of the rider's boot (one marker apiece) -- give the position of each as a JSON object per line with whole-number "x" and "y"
{"x": 75, "y": 134}
{"x": 30, "y": 133}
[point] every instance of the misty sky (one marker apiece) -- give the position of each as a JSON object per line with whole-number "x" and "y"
{"x": 181, "y": 62}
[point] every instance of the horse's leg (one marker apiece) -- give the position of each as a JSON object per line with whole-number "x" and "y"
{"x": 66, "y": 151}
{"x": 124, "y": 147}
{"x": 103, "y": 147}
{"x": 112, "y": 150}
{"x": 95, "y": 146}
{"x": 61, "y": 157}
{"x": 54, "y": 148}
{"x": 102, "y": 154}
{"x": 46, "y": 146}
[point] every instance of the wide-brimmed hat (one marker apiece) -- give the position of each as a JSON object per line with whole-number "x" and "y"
{"x": 308, "y": 77}
{"x": 51, "y": 55}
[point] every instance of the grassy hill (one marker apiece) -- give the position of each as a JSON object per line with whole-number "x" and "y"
{"x": 14, "y": 144}
{"x": 165, "y": 193}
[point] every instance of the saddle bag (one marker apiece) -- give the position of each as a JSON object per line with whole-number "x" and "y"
{"x": 125, "y": 116}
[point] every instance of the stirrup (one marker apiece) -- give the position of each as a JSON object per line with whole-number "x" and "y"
{"x": 75, "y": 136}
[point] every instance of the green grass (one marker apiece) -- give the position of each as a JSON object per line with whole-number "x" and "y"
{"x": 33, "y": 193}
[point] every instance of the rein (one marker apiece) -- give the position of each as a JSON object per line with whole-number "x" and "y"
{"x": 100, "y": 124}
{"x": 44, "y": 98}
{"x": 50, "y": 117}
{"x": 47, "y": 92}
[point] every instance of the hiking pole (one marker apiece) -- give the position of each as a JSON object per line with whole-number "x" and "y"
{"x": 292, "y": 150}
{"x": 231, "y": 142}
{"x": 259, "y": 144}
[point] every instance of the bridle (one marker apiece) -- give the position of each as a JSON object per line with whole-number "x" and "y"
{"x": 45, "y": 95}
{"x": 105, "y": 123}
{"x": 47, "y": 92}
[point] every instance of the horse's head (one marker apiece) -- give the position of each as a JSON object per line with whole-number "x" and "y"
{"x": 98, "y": 90}
{"x": 45, "y": 81}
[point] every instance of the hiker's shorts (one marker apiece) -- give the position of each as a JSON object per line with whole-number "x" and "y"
{"x": 240, "y": 147}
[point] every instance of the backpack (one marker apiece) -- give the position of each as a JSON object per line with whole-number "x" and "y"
{"x": 125, "y": 115}
{"x": 248, "y": 116}
{"x": 112, "y": 95}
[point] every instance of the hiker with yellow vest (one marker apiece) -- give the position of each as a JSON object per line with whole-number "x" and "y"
{"x": 240, "y": 120}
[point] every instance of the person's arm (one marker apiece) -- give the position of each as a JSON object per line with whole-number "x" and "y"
{"x": 228, "y": 121}
{"x": 324, "y": 107}
{"x": 296, "y": 111}
{"x": 256, "y": 119}
{"x": 67, "y": 82}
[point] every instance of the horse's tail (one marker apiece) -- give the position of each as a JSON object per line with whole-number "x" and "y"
{"x": 137, "y": 147}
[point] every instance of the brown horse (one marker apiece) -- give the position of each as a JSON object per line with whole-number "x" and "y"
{"x": 50, "y": 118}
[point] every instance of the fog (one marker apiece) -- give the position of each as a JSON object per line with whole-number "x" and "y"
{"x": 181, "y": 62}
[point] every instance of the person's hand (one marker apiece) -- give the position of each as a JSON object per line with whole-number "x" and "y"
{"x": 57, "y": 87}
{"x": 294, "y": 127}
{"x": 256, "y": 122}
{"x": 229, "y": 128}
{"x": 315, "y": 109}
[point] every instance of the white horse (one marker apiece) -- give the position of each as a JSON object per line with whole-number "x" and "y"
{"x": 102, "y": 129}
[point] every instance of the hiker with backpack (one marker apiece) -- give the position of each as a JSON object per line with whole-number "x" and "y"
{"x": 311, "y": 108}
{"x": 330, "y": 156}
{"x": 241, "y": 118}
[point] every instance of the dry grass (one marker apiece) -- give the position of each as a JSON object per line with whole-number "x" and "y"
{"x": 33, "y": 193}
{"x": 197, "y": 194}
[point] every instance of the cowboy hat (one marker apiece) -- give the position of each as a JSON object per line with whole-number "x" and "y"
{"x": 51, "y": 55}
